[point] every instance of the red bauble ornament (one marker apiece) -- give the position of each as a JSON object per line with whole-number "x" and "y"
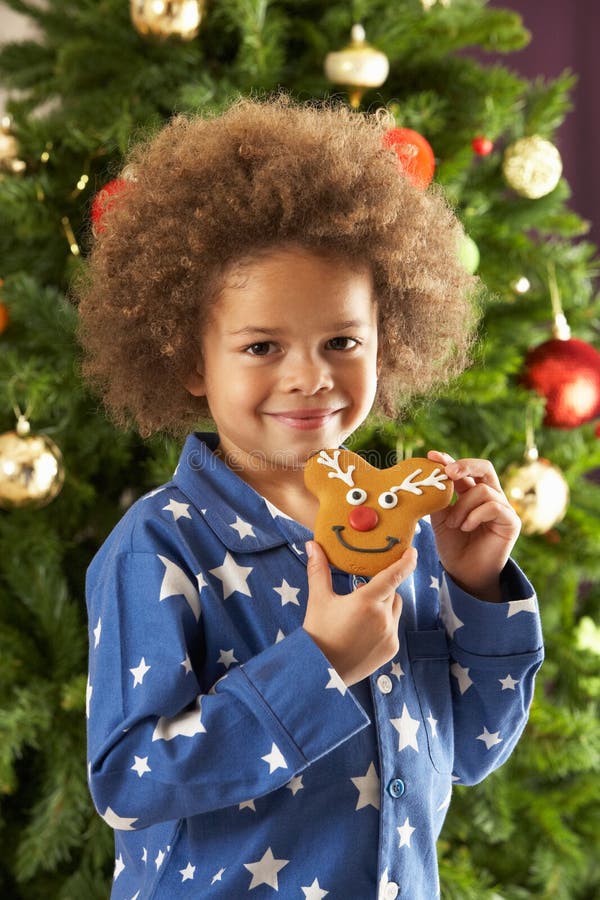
{"x": 414, "y": 155}
{"x": 104, "y": 200}
{"x": 3, "y": 317}
{"x": 482, "y": 145}
{"x": 567, "y": 374}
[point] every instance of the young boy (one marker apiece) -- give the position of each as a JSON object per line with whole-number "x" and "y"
{"x": 257, "y": 722}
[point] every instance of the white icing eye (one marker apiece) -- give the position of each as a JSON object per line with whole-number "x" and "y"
{"x": 356, "y": 496}
{"x": 388, "y": 500}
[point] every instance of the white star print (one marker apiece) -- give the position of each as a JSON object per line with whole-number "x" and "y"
{"x": 160, "y": 857}
{"x": 145, "y": 855}
{"x": 383, "y": 883}
{"x": 335, "y": 681}
{"x": 407, "y": 728}
{"x": 314, "y": 891}
{"x": 176, "y": 583}
{"x": 518, "y": 606}
{"x": 265, "y": 870}
{"x": 445, "y": 802}
{"x": 397, "y": 670}
{"x": 233, "y": 576}
{"x": 218, "y": 876}
{"x": 508, "y": 683}
{"x": 179, "y": 510}
{"x": 435, "y": 583}
{"x": 139, "y": 672}
{"x": 186, "y": 724}
{"x": 295, "y": 784}
{"x": 275, "y": 759}
{"x": 432, "y": 724}
{"x": 188, "y": 873}
{"x": 97, "y": 633}
{"x": 287, "y": 593}
{"x": 141, "y": 765}
{"x": 490, "y": 740}
{"x": 405, "y": 831}
{"x": 368, "y": 788}
{"x": 119, "y": 866}
{"x": 451, "y": 621}
{"x": 247, "y": 804}
{"x": 298, "y": 550}
{"x": 187, "y": 665}
{"x": 88, "y": 697}
{"x": 201, "y": 582}
{"x": 227, "y": 658}
{"x": 117, "y": 822}
{"x": 462, "y": 676}
{"x": 244, "y": 529}
{"x": 280, "y": 636}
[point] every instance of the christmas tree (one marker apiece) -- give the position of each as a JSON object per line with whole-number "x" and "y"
{"x": 93, "y": 81}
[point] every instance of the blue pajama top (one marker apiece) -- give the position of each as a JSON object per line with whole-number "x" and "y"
{"x": 225, "y": 751}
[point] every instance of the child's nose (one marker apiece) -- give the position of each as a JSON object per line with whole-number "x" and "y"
{"x": 363, "y": 518}
{"x": 307, "y": 374}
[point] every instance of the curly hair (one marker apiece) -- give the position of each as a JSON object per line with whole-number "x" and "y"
{"x": 210, "y": 191}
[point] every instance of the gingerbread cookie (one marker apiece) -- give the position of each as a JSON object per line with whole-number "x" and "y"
{"x": 367, "y": 516}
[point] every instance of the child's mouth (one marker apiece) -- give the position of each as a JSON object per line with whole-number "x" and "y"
{"x": 305, "y": 419}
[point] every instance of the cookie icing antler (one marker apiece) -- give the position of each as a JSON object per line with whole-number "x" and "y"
{"x": 414, "y": 487}
{"x": 333, "y": 462}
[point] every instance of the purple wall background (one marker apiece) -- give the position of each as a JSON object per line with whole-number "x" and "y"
{"x": 565, "y": 34}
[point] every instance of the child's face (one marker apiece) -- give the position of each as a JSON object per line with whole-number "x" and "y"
{"x": 289, "y": 357}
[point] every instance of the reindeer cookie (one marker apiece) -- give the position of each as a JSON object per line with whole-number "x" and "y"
{"x": 367, "y": 516}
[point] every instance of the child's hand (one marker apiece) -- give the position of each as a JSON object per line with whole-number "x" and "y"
{"x": 357, "y": 632}
{"x": 476, "y": 535}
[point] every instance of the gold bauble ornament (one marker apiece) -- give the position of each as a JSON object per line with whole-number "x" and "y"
{"x": 31, "y": 468}
{"x": 167, "y": 18}
{"x": 9, "y": 149}
{"x": 532, "y": 167}
{"x": 429, "y": 4}
{"x": 357, "y": 67}
{"x": 537, "y": 491}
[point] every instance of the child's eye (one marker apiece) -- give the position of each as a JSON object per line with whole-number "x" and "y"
{"x": 261, "y": 348}
{"x": 342, "y": 343}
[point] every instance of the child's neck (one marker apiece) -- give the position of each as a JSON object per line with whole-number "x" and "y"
{"x": 283, "y": 487}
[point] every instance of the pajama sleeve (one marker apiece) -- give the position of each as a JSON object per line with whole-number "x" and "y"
{"x": 495, "y": 651}
{"x": 162, "y": 746}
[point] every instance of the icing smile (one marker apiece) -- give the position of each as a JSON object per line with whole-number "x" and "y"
{"x": 391, "y": 542}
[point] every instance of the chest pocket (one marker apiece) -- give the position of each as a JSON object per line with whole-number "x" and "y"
{"x": 430, "y": 664}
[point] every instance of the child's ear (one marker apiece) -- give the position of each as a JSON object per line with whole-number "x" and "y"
{"x": 194, "y": 383}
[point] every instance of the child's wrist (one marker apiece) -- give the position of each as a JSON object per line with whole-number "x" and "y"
{"x": 489, "y": 591}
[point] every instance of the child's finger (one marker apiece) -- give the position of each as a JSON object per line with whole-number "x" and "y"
{"x": 479, "y": 470}
{"x": 317, "y": 569}
{"x": 383, "y": 585}
{"x": 459, "y": 483}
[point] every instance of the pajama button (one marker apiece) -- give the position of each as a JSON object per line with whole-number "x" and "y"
{"x": 396, "y": 788}
{"x": 384, "y": 683}
{"x": 391, "y": 891}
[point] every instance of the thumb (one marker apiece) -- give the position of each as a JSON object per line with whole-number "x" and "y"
{"x": 317, "y": 568}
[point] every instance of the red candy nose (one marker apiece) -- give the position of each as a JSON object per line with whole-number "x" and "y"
{"x": 363, "y": 518}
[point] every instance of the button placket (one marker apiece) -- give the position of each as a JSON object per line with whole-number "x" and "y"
{"x": 384, "y": 690}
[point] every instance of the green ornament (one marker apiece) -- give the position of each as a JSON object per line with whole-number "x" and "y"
{"x": 468, "y": 253}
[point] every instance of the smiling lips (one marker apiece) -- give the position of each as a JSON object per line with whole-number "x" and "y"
{"x": 305, "y": 419}
{"x": 391, "y": 542}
